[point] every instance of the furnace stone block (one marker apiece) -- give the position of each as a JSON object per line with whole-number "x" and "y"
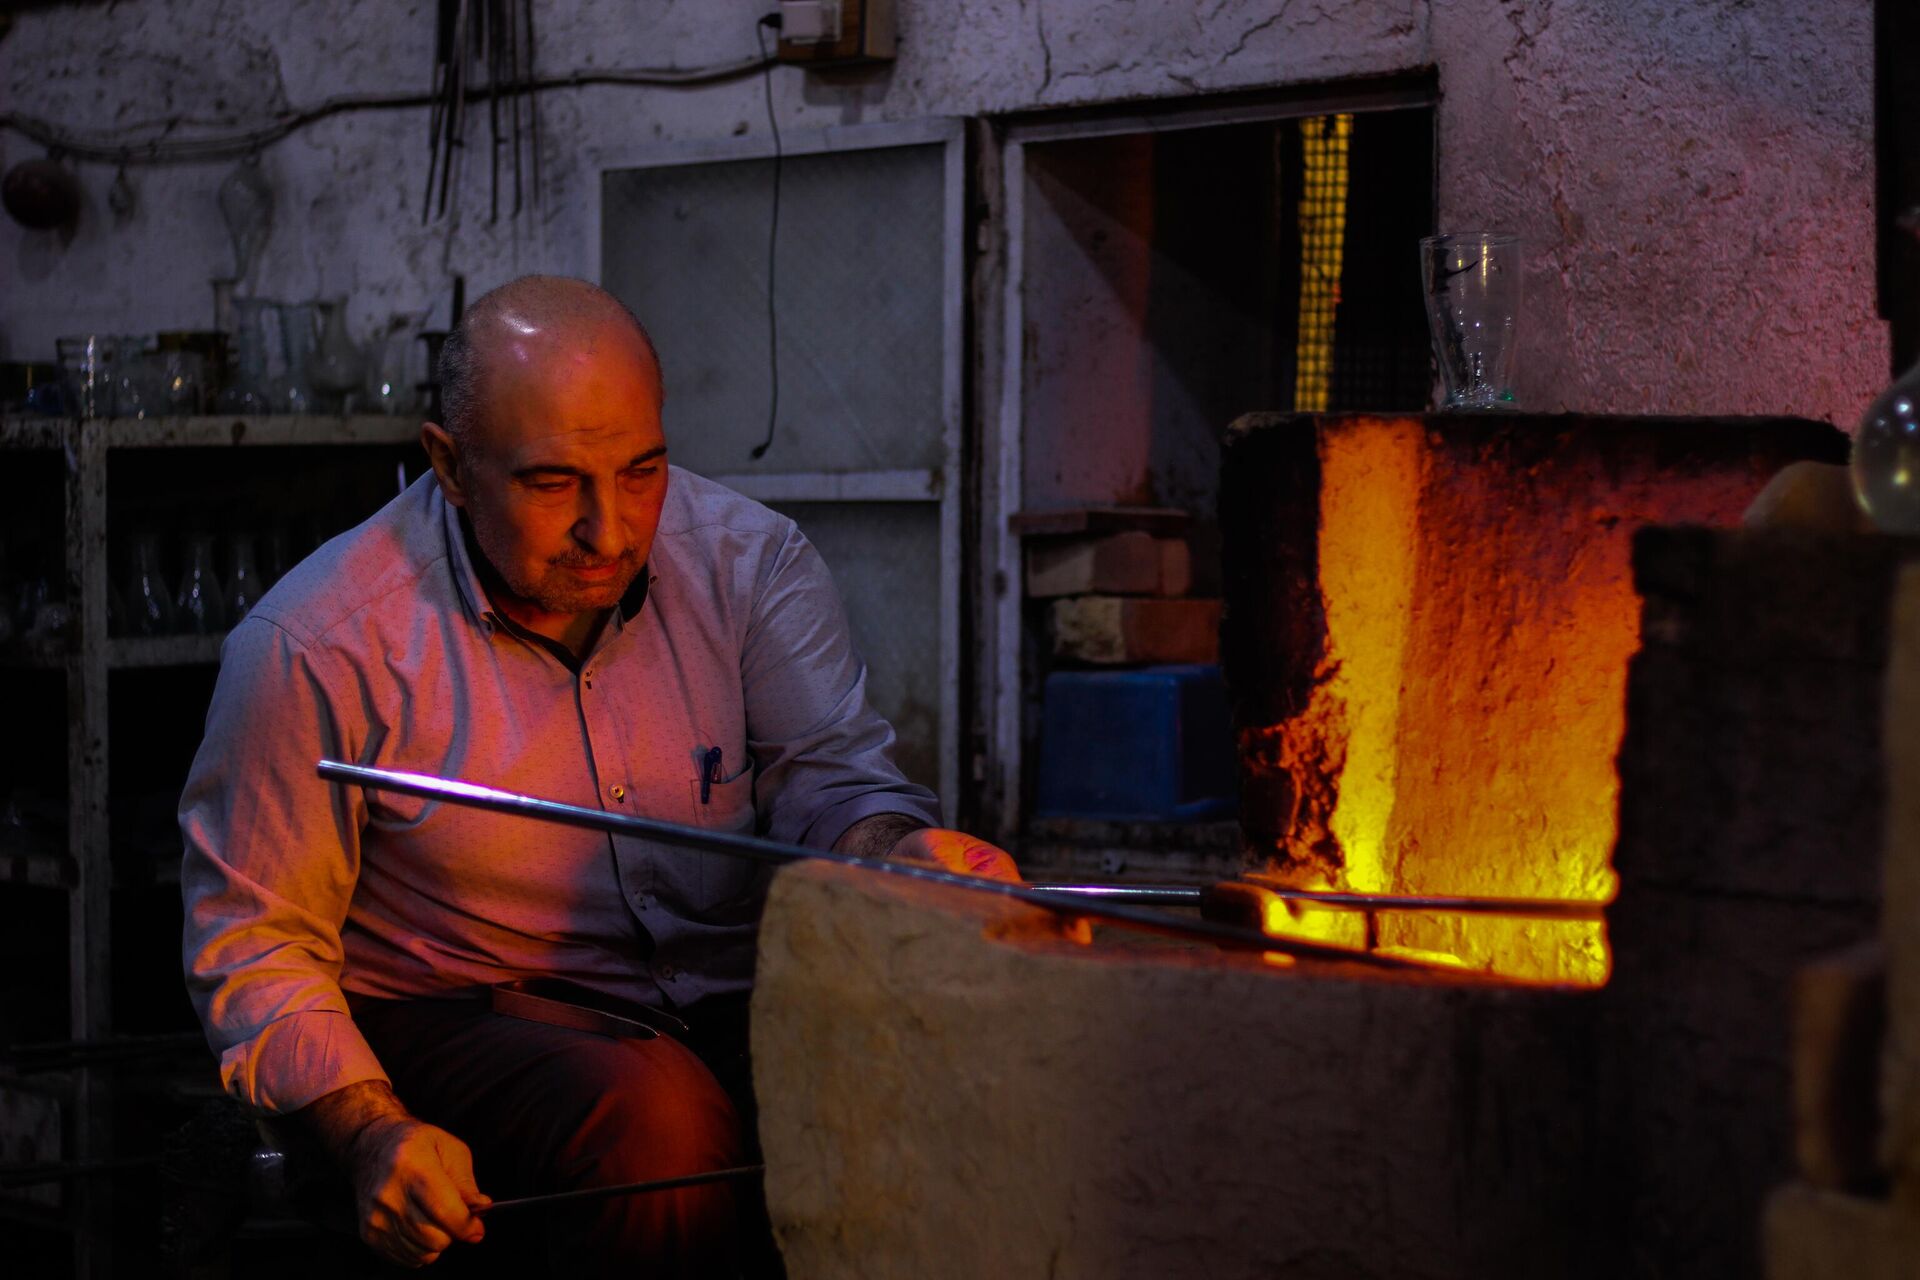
{"x": 1753, "y": 806}
{"x": 1752, "y": 759}
{"x": 1695, "y": 1082}
{"x": 945, "y": 1095}
{"x": 1428, "y": 625}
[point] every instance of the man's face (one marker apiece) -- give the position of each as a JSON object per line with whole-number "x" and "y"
{"x": 565, "y": 470}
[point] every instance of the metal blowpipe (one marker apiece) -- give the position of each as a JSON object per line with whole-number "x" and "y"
{"x": 735, "y": 845}
{"x": 625, "y": 1189}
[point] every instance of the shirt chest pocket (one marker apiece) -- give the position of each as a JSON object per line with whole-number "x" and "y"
{"x": 726, "y": 804}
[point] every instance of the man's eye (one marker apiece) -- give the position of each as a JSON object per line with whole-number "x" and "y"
{"x": 550, "y": 486}
{"x": 642, "y": 473}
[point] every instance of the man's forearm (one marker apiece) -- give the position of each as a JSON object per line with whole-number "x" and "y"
{"x": 875, "y": 837}
{"x": 341, "y": 1120}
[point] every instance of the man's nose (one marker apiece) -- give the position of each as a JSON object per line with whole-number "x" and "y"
{"x": 599, "y": 528}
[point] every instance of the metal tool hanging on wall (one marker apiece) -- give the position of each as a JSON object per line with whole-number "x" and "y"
{"x": 497, "y": 36}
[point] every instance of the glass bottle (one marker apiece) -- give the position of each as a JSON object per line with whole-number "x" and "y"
{"x": 149, "y": 607}
{"x": 292, "y": 390}
{"x": 243, "y": 577}
{"x": 246, "y": 389}
{"x": 200, "y": 608}
{"x": 1886, "y": 457}
{"x": 392, "y": 377}
{"x": 337, "y": 363}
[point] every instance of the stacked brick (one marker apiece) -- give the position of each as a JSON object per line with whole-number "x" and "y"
{"x": 1119, "y": 581}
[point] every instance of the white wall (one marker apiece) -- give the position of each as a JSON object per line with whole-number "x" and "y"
{"x": 1695, "y": 178}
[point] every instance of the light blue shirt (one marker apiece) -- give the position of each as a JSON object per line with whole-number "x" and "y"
{"x": 384, "y": 649}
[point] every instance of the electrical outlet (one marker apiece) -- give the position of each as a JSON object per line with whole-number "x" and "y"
{"x": 836, "y": 33}
{"x": 809, "y": 22}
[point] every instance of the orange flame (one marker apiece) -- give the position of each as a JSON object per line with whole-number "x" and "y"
{"x": 1462, "y": 729}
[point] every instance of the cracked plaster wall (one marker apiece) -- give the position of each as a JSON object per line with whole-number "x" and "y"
{"x": 1695, "y": 180}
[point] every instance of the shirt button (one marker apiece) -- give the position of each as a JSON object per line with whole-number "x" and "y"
{"x": 668, "y": 972}
{"x": 618, "y": 792}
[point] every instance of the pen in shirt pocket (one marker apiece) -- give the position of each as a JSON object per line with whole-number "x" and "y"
{"x": 709, "y": 774}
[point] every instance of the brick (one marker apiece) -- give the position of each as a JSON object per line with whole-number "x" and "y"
{"x": 1120, "y": 629}
{"x": 1134, "y": 563}
{"x": 1810, "y": 1234}
{"x": 1839, "y": 1026}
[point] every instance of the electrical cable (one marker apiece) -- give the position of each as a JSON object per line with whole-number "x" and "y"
{"x": 773, "y": 242}
{"x": 114, "y": 149}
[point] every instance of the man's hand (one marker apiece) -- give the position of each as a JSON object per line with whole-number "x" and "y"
{"x": 956, "y": 851}
{"x": 894, "y": 835}
{"x": 413, "y": 1183}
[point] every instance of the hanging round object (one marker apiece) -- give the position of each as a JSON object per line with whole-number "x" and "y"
{"x": 41, "y": 194}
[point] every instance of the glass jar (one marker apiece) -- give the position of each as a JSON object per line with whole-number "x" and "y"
{"x": 245, "y": 391}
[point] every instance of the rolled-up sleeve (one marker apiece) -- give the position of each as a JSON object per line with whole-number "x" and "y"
{"x": 825, "y": 757}
{"x": 271, "y": 859}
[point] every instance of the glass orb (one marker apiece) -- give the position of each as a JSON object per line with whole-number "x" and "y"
{"x": 1886, "y": 457}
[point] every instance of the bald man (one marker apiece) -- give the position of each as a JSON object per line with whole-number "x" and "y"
{"x": 554, "y": 610}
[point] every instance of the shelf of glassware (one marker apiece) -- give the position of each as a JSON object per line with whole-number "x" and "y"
{"x": 215, "y": 431}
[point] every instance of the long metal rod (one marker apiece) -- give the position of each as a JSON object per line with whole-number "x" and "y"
{"x": 626, "y": 1188}
{"x": 1140, "y": 895}
{"x": 1539, "y": 908}
{"x": 753, "y": 848}
{"x": 1183, "y": 895}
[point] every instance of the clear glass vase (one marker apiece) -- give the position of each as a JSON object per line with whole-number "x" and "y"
{"x": 337, "y": 365}
{"x": 201, "y": 607}
{"x": 1886, "y": 457}
{"x": 291, "y": 391}
{"x": 149, "y": 606}
{"x": 394, "y": 368}
{"x": 246, "y": 389}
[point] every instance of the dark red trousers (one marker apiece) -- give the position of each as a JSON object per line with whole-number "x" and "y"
{"x": 550, "y": 1109}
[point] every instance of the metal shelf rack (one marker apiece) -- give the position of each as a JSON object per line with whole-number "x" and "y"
{"x": 85, "y": 654}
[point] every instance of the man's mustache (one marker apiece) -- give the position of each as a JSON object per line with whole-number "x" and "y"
{"x": 576, "y": 561}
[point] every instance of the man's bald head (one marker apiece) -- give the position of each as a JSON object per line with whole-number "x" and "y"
{"x": 503, "y": 323}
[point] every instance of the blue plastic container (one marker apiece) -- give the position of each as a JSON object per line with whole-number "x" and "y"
{"x": 1153, "y": 744}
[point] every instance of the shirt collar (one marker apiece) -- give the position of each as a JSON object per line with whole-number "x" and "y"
{"x": 462, "y": 555}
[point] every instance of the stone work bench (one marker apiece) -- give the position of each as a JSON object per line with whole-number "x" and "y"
{"x": 947, "y": 1091}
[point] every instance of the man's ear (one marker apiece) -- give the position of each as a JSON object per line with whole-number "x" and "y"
{"x": 444, "y": 454}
